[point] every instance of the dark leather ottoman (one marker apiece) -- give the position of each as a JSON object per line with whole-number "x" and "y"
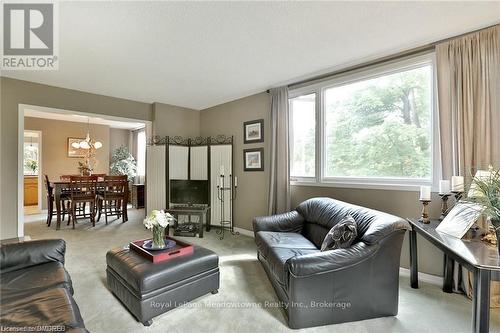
{"x": 148, "y": 290}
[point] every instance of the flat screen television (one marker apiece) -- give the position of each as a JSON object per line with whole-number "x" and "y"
{"x": 194, "y": 192}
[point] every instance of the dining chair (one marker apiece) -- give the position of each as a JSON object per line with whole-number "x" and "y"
{"x": 113, "y": 199}
{"x": 82, "y": 191}
{"x": 50, "y": 199}
{"x": 100, "y": 176}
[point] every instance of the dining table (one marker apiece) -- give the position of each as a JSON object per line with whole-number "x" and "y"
{"x": 61, "y": 185}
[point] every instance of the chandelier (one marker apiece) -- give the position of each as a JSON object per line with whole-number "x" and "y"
{"x": 88, "y": 143}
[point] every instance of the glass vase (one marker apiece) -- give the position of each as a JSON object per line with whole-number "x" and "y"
{"x": 158, "y": 237}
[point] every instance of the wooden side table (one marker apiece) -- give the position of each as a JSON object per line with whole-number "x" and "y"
{"x": 138, "y": 195}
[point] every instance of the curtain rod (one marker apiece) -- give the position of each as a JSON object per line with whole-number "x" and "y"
{"x": 378, "y": 61}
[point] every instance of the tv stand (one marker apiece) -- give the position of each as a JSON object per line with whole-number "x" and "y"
{"x": 190, "y": 229}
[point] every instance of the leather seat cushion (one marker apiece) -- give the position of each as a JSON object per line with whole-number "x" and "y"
{"x": 291, "y": 240}
{"x": 53, "y": 306}
{"x": 18, "y": 284}
{"x": 143, "y": 276}
{"x": 277, "y": 261}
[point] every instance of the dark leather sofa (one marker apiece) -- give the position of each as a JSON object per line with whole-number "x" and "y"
{"x": 36, "y": 290}
{"x": 320, "y": 288}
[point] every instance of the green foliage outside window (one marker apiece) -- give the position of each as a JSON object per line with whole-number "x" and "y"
{"x": 380, "y": 127}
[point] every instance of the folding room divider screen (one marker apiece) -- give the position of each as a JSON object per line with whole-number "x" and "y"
{"x": 191, "y": 171}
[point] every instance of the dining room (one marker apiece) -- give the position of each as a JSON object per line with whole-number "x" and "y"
{"x": 81, "y": 170}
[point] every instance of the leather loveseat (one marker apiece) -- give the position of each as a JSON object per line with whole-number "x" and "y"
{"x": 36, "y": 290}
{"x": 341, "y": 285}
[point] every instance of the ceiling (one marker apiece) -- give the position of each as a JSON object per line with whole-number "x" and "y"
{"x": 200, "y": 54}
{"x": 54, "y": 114}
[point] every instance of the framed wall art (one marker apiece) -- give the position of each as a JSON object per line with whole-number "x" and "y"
{"x": 75, "y": 152}
{"x": 253, "y": 159}
{"x": 253, "y": 131}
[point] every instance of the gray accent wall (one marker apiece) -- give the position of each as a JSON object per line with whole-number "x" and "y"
{"x": 228, "y": 119}
{"x": 175, "y": 120}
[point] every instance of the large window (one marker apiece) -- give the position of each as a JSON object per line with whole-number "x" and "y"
{"x": 303, "y": 141}
{"x": 376, "y": 127}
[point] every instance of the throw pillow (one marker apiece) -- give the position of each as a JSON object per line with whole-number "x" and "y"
{"x": 340, "y": 235}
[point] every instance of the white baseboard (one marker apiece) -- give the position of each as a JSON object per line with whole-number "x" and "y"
{"x": 424, "y": 277}
{"x": 244, "y": 232}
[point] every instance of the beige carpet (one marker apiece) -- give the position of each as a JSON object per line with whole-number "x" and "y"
{"x": 243, "y": 282}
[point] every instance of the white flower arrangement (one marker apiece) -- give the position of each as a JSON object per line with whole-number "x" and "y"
{"x": 158, "y": 218}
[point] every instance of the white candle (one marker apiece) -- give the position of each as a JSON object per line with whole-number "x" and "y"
{"x": 457, "y": 183}
{"x": 235, "y": 181}
{"x": 444, "y": 186}
{"x": 425, "y": 193}
{"x": 221, "y": 181}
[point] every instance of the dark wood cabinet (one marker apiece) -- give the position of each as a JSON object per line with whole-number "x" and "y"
{"x": 138, "y": 195}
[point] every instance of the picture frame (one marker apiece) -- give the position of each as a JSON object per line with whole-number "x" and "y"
{"x": 253, "y": 131}
{"x": 253, "y": 159}
{"x": 460, "y": 218}
{"x": 75, "y": 152}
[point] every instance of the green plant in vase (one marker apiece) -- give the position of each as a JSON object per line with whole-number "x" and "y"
{"x": 157, "y": 221}
{"x": 485, "y": 190}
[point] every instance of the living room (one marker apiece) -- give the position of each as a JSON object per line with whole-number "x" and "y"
{"x": 271, "y": 129}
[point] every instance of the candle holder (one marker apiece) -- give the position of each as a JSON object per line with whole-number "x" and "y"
{"x": 444, "y": 205}
{"x": 425, "y": 213}
{"x": 222, "y": 196}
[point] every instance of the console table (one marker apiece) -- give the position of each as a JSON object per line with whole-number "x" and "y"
{"x": 478, "y": 257}
{"x": 202, "y": 212}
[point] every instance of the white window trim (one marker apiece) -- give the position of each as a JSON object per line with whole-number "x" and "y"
{"x": 401, "y": 184}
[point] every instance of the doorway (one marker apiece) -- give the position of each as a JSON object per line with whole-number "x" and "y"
{"x": 32, "y": 175}
{"x": 59, "y": 127}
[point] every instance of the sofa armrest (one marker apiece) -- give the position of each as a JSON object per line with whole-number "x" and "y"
{"x": 383, "y": 227}
{"x": 286, "y": 222}
{"x": 17, "y": 256}
{"x": 330, "y": 261}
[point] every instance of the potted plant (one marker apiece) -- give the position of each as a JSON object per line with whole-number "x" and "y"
{"x": 123, "y": 163}
{"x": 485, "y": 190}
{"x": 158, "y": 220}
{"x": 84, "y": 169}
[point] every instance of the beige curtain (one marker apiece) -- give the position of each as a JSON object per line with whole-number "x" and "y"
{"x": 279, "y": 185}
{"x": 468, "y": 73}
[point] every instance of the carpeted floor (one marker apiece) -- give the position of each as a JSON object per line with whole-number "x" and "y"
{"x": 243, "y": 282}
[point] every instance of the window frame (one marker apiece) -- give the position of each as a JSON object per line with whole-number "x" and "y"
{"x": 386, "y": 183}
{"x": 305, "y": 179}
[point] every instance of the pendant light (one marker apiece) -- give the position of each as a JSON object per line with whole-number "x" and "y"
{"x": 88, "y": 143}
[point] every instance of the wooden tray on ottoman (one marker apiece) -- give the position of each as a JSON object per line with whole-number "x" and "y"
{"x": 180, "y": 249}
